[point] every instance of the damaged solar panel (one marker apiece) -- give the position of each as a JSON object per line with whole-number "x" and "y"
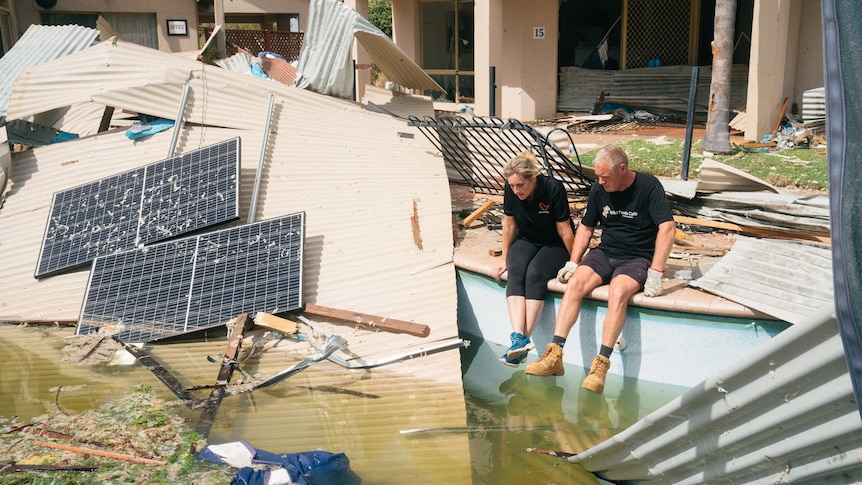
{"x": 152, "y": 203}
{"x": 195, "y": 283}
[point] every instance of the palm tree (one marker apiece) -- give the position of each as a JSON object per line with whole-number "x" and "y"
{"x": 717, "y": 138}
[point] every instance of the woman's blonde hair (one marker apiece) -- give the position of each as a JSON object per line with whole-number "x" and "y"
{"x": 524, "y": 165}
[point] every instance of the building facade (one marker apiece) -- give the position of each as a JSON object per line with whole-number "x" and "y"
{"x": 503, "y": 57}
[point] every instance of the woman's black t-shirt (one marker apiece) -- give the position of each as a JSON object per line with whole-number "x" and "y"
{"x": 537, "y": 218}
{"x": 629, "y": 219}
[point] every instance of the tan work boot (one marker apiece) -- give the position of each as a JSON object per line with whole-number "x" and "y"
{"x": 595, "y": 381}
{"x": 550, "y": 364}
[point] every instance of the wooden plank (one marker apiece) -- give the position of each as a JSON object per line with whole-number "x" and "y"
{"x": 211, "y": 405}
{"x": 272, "y": 322}
{"x": 751, "y": 230}
{"x": 160, "y": 372}
{"x": 478, "y": 213}
{"x": 106, "y": 454}
{"x": 780, "y": 117}
{"x": 366, "y": 320}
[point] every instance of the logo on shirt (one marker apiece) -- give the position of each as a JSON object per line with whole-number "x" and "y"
{"x": 607, "y": 211}
{"x": 543, "y": 208}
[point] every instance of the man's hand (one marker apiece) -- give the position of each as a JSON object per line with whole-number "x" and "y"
{"x": 566, "y": 271}
{"x": 653, "y": 287}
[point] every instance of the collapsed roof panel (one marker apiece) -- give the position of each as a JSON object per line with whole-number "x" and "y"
{"x": 40, "y": 44}
{"x": 325, "y": 63}
{"x": 754, "y": 273}
{"x": 367, "y": 249}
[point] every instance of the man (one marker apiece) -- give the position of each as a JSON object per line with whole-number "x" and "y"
{"x": 637, "y": 235}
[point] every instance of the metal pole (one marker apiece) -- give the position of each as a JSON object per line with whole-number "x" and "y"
{"x": 492, "y": 104}
{"x": 179, "y": 120}
{"x": 252, "y": 208}
{"x": 221, "y": 42}
{"x": 689, "y": 122}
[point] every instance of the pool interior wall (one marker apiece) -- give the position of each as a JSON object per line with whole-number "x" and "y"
{"x": 675, "y": 348}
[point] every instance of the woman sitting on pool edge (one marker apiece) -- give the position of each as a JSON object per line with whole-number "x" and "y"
{"x": 538, "y": 234}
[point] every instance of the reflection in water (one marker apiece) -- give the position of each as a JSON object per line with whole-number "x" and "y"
{"x": 508, "y": 411}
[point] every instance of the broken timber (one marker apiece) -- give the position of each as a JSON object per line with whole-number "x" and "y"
{"x": 751, "y": 230}
{"x": 478, "y": 213}
{"x": 160, "y": 372}
{"x": 211, "y": 405}
{"x": 364, "y": 319}
{"x": 278, "y": 324}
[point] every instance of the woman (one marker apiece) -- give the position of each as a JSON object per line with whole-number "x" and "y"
{"x": 538, "y": 234}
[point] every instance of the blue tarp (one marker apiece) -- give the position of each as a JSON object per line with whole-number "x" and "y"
{"x": 307, "y": 468}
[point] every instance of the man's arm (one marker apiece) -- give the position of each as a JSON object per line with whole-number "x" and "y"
{"x": 663, "y": 245}
{"x": 582, "y": 240}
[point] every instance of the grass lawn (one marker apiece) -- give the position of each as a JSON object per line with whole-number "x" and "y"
{"x": 799, "y": 168}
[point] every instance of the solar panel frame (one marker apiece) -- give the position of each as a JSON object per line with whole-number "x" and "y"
{"x": 158, "y": 201}
{"x": 198, "y": 282}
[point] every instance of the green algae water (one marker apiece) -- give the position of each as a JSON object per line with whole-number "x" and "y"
{"x": 509, "y": 411}
{"x": 506, "y": 410}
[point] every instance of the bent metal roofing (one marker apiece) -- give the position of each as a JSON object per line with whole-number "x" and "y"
{"x": 378, "y": 234}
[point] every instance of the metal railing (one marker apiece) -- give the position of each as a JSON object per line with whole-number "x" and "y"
{"x": 476, "y": 151}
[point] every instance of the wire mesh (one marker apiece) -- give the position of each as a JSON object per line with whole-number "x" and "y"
{"x": 657, "y": 29}
{"x": 284, "y": 43}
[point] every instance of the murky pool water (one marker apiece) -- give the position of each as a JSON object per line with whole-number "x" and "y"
{"x": 506, "y": 410}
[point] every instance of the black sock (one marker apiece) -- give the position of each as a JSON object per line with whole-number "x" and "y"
{"x": 606, "y": 351}
{"x": 558, "y": 340}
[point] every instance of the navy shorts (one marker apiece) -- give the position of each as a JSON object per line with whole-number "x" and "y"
{"x": 608, "y": 268}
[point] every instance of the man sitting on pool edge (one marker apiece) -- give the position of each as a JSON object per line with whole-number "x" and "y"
{"x": 637, "y": 226}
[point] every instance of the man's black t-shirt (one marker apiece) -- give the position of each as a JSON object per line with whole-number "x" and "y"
{"x": 629, "y": 219}
{"x": 537, "y": 218}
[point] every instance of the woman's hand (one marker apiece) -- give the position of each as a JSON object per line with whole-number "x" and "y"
{"x": 497, "y": 273}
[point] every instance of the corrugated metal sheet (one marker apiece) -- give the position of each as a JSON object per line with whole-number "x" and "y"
{"x": 814, "y": 104}
{"x": 361, "y": 255}
{"x": 39, "y": 44}
{"x": 378, "y": 235}
{"x": 394, "y": 63}
{"x": 662, "y": 88}
{"x": 782, "y": 212}
{"x": 782, "y": 278}
{"x": 784, "y": 414}
{"x": 396, "y": 103}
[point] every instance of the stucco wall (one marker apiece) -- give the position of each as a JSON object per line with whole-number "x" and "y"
{"x": 272, "y": 6}
{"x": 786, "y": 59}
{"x": 526, "y": 66}
{"x": 28, "y": 13}
{"x": 809, "y": 52}
{"x": 405, "y": 30}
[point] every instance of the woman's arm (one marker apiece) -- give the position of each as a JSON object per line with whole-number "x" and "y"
{"x": 564, "y": 229}
{"x": 510, "y": 228}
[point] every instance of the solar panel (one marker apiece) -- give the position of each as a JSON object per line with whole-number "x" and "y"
{"x": 152, "y": 203}
{"x": 198, "y": 282}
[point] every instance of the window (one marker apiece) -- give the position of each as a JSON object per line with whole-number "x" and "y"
{"x": 447, "y": 47}
{"x": 5, "y": 27}
{"x": 138, "y": 28}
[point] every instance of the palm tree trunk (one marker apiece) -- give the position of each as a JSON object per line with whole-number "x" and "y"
{"x": 717, "y": 138}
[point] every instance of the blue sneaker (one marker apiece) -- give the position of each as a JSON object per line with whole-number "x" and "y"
{"x": 513, "y": 362}
{"x": 520, "y": 346}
